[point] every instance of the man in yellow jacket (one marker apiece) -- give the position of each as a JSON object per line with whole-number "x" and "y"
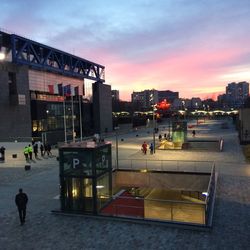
{"x": 30, "y": 150}
{"x": 26, "y": 153}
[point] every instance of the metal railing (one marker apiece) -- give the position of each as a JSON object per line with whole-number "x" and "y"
{"x": 166, "y": 210}
{"x": 166, "y": 165}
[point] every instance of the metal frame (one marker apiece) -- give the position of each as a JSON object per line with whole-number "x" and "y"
{"x": 40, "y": 56}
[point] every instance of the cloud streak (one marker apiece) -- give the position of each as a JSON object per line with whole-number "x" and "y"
{"x": 193, "y": 47}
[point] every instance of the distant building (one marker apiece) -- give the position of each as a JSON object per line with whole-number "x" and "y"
{"x": 170, "y": 96}
{"x": 143, "y": 99}
{"x": 115, "y": 95}
{"x": 236, "y": 94}
{"x": 196, "y": 103}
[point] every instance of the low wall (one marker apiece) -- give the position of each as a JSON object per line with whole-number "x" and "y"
{"x": 215, "y": 145}
{"x": 162, "y": 180}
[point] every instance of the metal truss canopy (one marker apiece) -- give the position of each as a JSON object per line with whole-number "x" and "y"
{"x": 40, "y": 56}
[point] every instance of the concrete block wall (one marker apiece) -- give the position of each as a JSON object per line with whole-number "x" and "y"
{"x": 15, "y": 122}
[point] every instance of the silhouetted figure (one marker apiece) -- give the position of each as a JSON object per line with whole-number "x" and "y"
{"x": 21, "y": 202}
{"x": 151, "y": 147}
{"x": 2, "y": 153}
{"x": 193, "y": 133}
{"x": 35, "y": 149}
{"x": 42, "y": 149}
{"x": 160, "y": 137}
{"x": 49, "y": 150}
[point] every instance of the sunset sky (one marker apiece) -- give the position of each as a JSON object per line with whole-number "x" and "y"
{"x": 195, "y": 47}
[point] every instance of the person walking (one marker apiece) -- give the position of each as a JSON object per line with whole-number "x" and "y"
{"x": 193, "y": 133}
{"x": 30, "y": 150}
{"x": 21, "y": 201}
{"x": 49, "y": 150}
{"x": 35, "y": 149}
{"x": 151, "y": 147}
{"x": 2, "y": 153}
{"x": 42, "y": 149}
{"x": 144, "y": 148}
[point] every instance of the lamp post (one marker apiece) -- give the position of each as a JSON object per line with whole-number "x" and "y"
{"x": 116, "y": 146}
{"x": 151, "y": 99}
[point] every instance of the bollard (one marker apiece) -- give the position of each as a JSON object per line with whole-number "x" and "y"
{"x": 27, "y": 167}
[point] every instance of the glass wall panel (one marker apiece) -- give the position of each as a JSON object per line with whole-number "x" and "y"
{"x": 78, "y": 194}
{"x": 103, "y": 190}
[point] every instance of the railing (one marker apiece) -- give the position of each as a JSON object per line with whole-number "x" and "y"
{"x": 156, "y": 209}
{"x": 166, "y": 165}
{"x": 210, "y": 192}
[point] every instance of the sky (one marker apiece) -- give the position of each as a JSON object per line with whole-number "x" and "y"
{"x": 195, "y": 47}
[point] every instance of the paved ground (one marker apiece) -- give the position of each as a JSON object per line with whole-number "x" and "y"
{"x": 44, "y": 230}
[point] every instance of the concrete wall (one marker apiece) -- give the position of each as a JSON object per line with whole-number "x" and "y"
{"x": 15, "y": 122}
{"x": 102, "y": 108}
{"x": 191, "y": 182}
{"x": 244, "y": 125}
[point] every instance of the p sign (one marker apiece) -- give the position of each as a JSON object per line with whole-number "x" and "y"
{"x": 75, "y": 162}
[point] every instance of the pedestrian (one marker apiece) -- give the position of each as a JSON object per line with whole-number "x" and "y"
{"x": 45, "y": 149}
{"x": 42, "y": 149}
{"x": 49, "y": 149}
{"x": 30, "y": 150}
{"x": 2, "y": 153}
{"x": 144, "y": 148}
{"x": 26, "y": 153}
{"x": 160, "y": 137}
{"x": 35, "y": 149}
{"x": 165, "y": 136}
{"x": 151, "y": 147}
{"x": 193, "y": 133}
{"x": 21, "y": 201}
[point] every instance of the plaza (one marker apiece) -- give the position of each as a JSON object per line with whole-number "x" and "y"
{"x": 45, "y": 230}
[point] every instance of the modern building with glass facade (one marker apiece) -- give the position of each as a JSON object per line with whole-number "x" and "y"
{"x": 44, "y": 93}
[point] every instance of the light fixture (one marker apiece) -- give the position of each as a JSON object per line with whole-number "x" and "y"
{"x": 2, "y": 56}
{"x": 99, "y": 186}
{"x": 205, "y": 193}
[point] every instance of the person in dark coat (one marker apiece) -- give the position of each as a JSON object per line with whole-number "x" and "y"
{"x": 42, "y": 149}
{"x": 35, "y": 149}
{"x": 21, "y": 202}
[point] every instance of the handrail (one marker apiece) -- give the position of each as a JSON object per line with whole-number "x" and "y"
{"x": 168, "y": 201}
{"x": 210, "y": 183}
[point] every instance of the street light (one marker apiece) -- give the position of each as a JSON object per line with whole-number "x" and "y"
{"x": 151, "y": 99}
{"x": 116, "y": 146}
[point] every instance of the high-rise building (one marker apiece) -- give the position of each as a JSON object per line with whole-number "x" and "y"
{"x": 115, "y": 95}
{"x": 237, "y": 93}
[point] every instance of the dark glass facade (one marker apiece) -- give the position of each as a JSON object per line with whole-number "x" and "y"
{"x": 85, "y": 176}
{"x": 50, "y": 114}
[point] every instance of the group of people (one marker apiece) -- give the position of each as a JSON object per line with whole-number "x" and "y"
{"x": 144, "y": 148}
{"x": 30, "y": 149}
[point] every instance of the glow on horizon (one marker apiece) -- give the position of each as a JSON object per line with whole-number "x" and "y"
{"x": 195, "y": 48}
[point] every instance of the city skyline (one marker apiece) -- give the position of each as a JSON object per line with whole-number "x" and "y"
{"x": 195, "y": 49}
